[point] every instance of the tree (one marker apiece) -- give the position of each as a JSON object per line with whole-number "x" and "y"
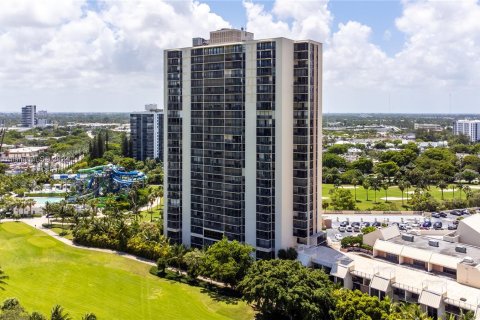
{"x": 469, "y": 175}
{"x": 385, "y": 187}
{"x": 58, "y": 313}
{"x": 342, "y": 199}
{"x": 363, "y": 164}
{"x": 401, "y": 187}
{"x": 3, "y": 277}
{"x": 442, "y": 185}
{"x": 355, "y": 183}
{"x": 387, "y": 169}
{"x": 194, "y": 260}
{"x": 366, "y": 186}
{"x": 423, "y": 201}
{"x": 228, "y": 261}
{"x": 331, "y": 160}
{"x": 89, "y": 316}
{"x": 125, "y": 146}
{"x": 289, "y": 254}
{"x": 353, "y": 304}
{"x": 286, "y": 289}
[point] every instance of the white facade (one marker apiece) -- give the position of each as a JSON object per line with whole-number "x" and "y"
{"x": 470, "y": 128}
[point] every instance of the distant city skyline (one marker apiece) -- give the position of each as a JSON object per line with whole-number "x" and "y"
{"x": 413, "y": 56}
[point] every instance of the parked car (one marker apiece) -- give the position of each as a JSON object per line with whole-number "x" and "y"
{"x": 343, "y": 223}
{"x": 436, "y": 215}
{"x": 355, "y": 224}
{"x": 452, "y": 227}
{"x": 365, "y": 224}
{"x": 443, "y": 214}
{"x": 349, "y": 229}
{"x": 338, "y": 237}
{"x": 415, "y": 225}
{"x": 341, "y": 229}
{"x": 402, "y": 226}
{"x": 456, "y": 222}
{"x": 376, "y": 224}
{"x": 438, "y": 225}
{"x": 356, "y": 229}
{"x": 427, "y": 224}
{"x": 455, "y": 213}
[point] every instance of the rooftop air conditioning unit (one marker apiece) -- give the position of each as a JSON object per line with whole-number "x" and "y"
{"x": 433, "y": 243}
{"x": 408, "y": 237}
{"x": 461, "y": 249}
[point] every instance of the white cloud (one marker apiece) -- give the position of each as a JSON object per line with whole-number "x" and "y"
{"x": 50, "y": 44}
{"x": 299, "y": 19}
{"x": 117, "y": 48}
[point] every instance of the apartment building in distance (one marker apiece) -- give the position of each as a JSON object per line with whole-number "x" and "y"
{"x": 29, "y": 114}
{"x": 243, "y": 125}
{"x": 470, "y": 128}
{"x": 146, "y": 133}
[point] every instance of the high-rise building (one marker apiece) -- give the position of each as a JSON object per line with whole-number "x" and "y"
{"x": 146, "y": 133}
{"x": 243, "y": 141}
{"x": 29, "y": 114}
{"x": 470, "y": 128}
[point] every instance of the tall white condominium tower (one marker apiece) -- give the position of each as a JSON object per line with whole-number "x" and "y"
{"x": 243, "y": 141}
{"x": 29, "y": 114}
{"x": 470, "y": 128}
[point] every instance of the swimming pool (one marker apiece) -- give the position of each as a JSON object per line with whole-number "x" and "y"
{"x": 40, "y": 201}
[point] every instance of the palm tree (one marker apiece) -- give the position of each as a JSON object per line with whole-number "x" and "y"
{"x": 30, "y": 203}
{"x": 442, "y": 185}
{"x": 460, "y": 187}
{"x": 468, "y": 191}
{"x": 385, "y": 187}
{"x": 376, "y": 187}
{"x": 59, "y": 314}
{"x": 3, "y": 277}
{"x": 401, "y": 187}
{"x": 355, "y": 183}
{"x": 89, "y": 316}
{"x": 408, "y": 185}
{"x": 453, "y": 191}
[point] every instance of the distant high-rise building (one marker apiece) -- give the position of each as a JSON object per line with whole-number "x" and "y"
{"x": 470, "y": 128}
{"x": 244, "y": 139}
{"x": 42, "y": 119}
{"x": 146, "y": 133}
{"x": 29, "y": 116}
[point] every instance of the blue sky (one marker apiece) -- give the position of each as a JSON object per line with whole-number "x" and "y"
{"x": 92, "y": 55}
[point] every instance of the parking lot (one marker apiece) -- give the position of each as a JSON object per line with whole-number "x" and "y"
{"x": 350, "y": 225}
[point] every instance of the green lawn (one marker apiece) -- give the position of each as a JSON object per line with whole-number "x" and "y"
{"x": 155, "y": 213}
{"x": 394, "y": 195}
{"x": 44, "y": 272}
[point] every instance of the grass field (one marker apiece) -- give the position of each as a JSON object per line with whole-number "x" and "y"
{"x": 394, "y": 195}
{"x": 44, "y": 272}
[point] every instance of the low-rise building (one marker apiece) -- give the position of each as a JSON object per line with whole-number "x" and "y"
{"x": 25, "y": 154}
{"x": 427, "y": 126}
{"x": 438, "y": 269}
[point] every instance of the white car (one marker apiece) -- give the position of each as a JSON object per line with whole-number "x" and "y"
{"x": 349, "y": 229}
{"x": 338, "y": 237}
{"x": 341, "y": 229}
